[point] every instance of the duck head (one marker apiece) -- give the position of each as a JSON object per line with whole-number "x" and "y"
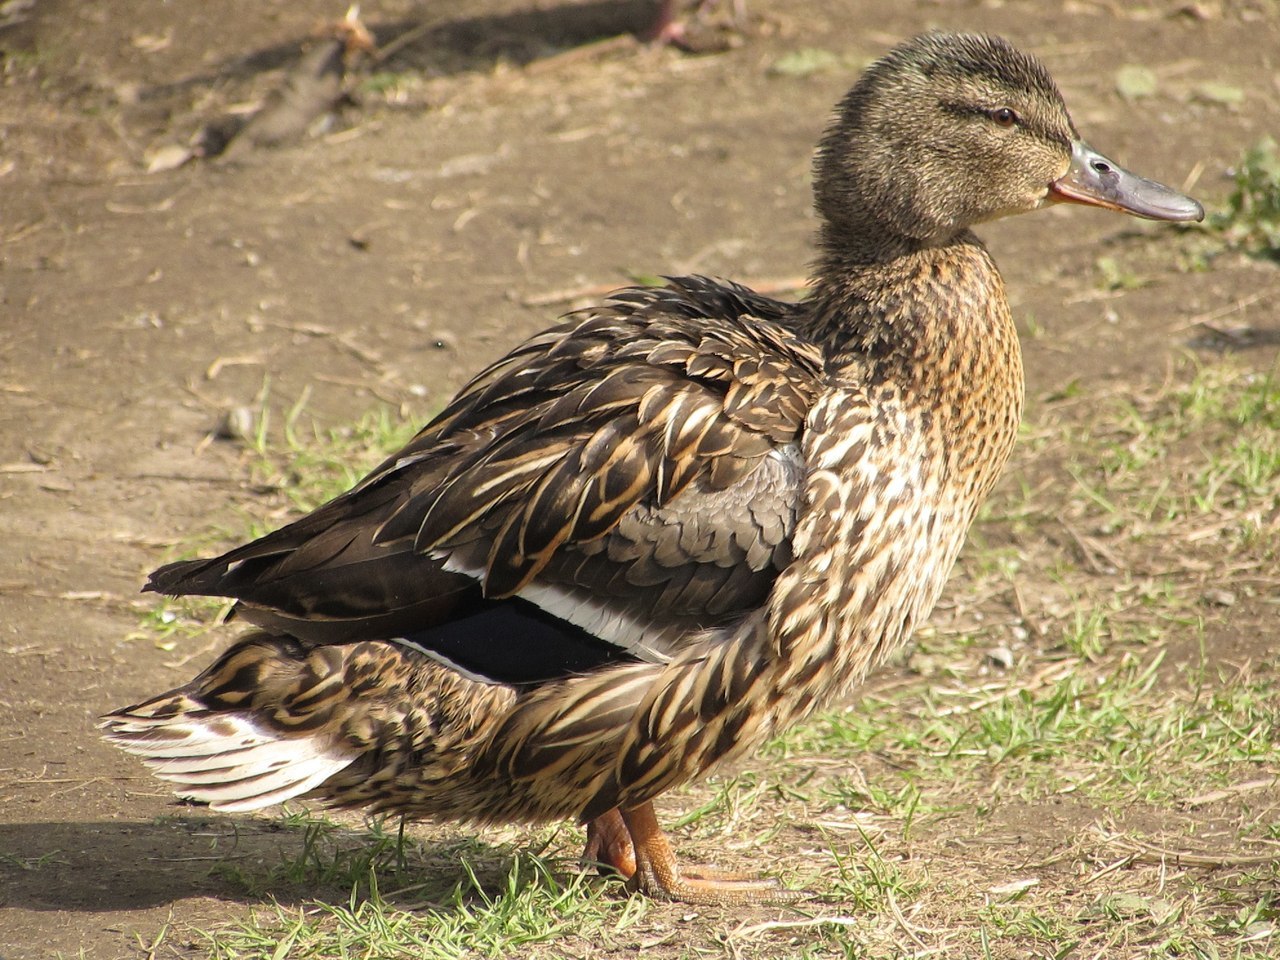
{"x": 949, "y": 130}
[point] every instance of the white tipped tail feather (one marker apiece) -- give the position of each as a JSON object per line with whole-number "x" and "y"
{"x": 225, "y": 760}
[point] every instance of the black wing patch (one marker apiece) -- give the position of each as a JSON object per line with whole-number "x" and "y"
{"x": 514, "y": 642}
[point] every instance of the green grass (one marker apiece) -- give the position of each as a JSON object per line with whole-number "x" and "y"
{"x": 34, "y": 863}
{"x": 533, "y": 903}
{"x": 1098, "y": 712}
{"x": 176, "y": 621}
{"x": 309, "y": 464}
{"x": 1251, "y": 219}
{"x": 1114, "y": 275}
{"x": 293, "y": 469}
{"x": 326, "y": 854}
{"x": 1206, "y": 450}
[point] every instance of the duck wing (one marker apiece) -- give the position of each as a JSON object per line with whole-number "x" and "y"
{"x": 610, "y": 487}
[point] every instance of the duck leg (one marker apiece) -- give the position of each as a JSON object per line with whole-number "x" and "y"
{"x": 609, "y": 844}
{"x": 658, "y": 875}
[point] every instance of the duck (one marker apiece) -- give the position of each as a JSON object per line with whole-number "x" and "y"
{"x": 673, "y": 525}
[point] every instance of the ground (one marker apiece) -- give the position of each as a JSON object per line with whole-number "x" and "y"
{"x": 1076, "y": 759}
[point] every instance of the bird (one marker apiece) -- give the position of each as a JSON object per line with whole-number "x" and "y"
{"x": 689, "y": 33}
{"x": 669, "y": 527}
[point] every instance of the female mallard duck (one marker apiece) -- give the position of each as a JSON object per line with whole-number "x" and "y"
{"x": 665, "y": 530}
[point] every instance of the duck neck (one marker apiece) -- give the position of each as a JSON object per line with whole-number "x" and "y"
{"x": 863, "y": 242}
{"x": 881, "y": 297}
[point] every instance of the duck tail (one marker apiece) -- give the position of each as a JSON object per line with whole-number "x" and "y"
{"x": 261, "y": 725}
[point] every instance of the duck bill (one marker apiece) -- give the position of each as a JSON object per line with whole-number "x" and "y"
{"x": 1099, "y": 182}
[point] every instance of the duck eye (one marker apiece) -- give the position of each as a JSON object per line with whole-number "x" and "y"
{"x": 1004, "y": 116}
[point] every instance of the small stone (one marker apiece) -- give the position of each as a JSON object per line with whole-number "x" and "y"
{"x": 1001, "y": 657}
{"x": 1219, "y": 598}
{"x": 235, "y": 424}
{"x": 1014, "y": 888}
{"x": 1200, "y": 11}
{"x": 40, "y": 455}
{"x": 168, "y": 157}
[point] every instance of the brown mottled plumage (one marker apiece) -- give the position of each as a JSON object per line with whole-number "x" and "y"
{"x": 656, "y": 535}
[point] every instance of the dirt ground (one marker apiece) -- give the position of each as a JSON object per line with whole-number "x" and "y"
{"x": 385, "y": 260}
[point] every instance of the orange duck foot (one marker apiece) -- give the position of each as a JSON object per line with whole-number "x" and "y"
{"x": 655, "y": 872}
{"x": 609, "y": 845}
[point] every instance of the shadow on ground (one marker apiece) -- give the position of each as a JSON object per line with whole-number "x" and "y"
{"x": 443, "y": 47}
{"x": 130, "y": 865}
